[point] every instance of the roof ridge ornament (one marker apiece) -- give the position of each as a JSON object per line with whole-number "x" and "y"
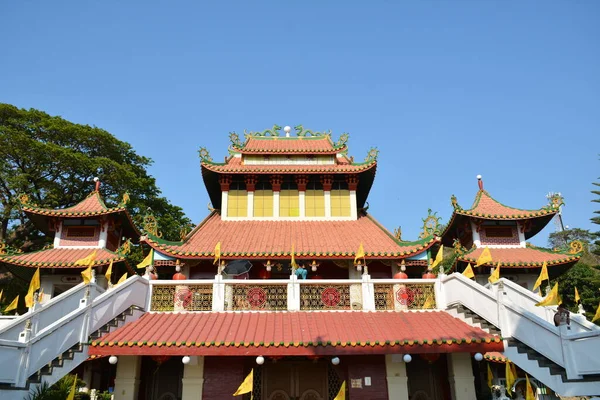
{"x": 342, "y": 140}
{"x": 431, "y": 224}
{"x": 372, "y": 155}
{"x": 235, "y": 139}
{"x": 204, "y": 155}
{"x": 150, "y": 224}
{"x": 301, "y": 132}
{"x": 480, "y": 182}
{"x": 455, "y": 204}
{"x": 273, "y": 132}
{"x": 97, "y": 187}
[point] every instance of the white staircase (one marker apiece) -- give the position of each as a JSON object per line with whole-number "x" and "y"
{"x": 566, "y": 359}
{"x": 49, "y": 341}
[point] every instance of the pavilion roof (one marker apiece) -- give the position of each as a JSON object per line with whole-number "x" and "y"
{"x": 295, "y": 333}
{"x": 91, "y": 206}
{"x": 274, "y": 238}
{"x": 520, "y": 257}
{"x": 62, "y": 257}
{"x": 289, "y": 145}
{"x": 486, "y": 207}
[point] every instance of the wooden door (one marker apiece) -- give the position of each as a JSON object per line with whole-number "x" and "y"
{"x": 295, "y": 381}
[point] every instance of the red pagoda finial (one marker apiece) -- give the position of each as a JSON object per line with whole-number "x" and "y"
{"x": 97, "y": 180}
{"x": 480, "y": 182}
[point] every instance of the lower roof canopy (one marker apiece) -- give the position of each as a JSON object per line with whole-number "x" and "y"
{"x": 295, "y": 334}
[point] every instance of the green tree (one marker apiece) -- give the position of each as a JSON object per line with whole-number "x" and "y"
{"x": 596, "y": 219}
{"x": 54, "y": 162}
{"x": 561, "y": 239}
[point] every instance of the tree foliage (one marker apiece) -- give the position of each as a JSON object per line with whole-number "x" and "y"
{"x": 596, "y": 219}
{"x": 561, "y": 239}
{"x": 54, "y": 162}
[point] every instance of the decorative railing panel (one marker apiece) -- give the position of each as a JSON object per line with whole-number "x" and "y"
{"x": 240, "y": 297}
{"x": 329, "y": 297}
{"x": 405, "y": 296}
{"x": 181, "y": 297}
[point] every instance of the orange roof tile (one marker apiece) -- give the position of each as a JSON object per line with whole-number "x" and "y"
{"x": 486, "y": 207}
{"x": 495, "y": 357}
{"x": 256, "y": 239}
{"x": 295, "y": 333}
{"x": 521, "y": 257}
{"x": 91, "y": 205}
{"x": 60, "y": 258}
{"x": 235, "y": 166}
{"x": 293, "y": 145}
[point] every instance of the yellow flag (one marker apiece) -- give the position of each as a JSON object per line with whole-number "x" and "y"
{"x": 294, "y": 265}
{"x": 468, "y": 272}
{"x": 495, "y": 275}
{"x": 108, "y": 273}
{"x": 484, "y": 258}
{"x": 360, "y": 253}
{"x": 33, "y": 286}
{"x": 1, "y": 294}
{"x": 438, "y": 257}
{"x": 13, "y": 305}
{"x": 577, "y": 298}
{"x": 552, "y": 298}
{"x": 597, "y": 316}
{"x": 246, "y": 386}
{"x": 543, "y": 276}
{"x": 41, "y": 296}
{"x": 123, "y": 279}
{"x": 147, "y": 261}
{"x": 87, "y": 275}
{"x": 529, "y": 395}
{"x": 429, "y": 303}
{"x": 87, "y": 261}
{"x": 73, "y": 388}
{"x": 510, "y": 376}
{"x": 217, "y": 253}
{"x": 342, "y": 392}
{"x": 490, "y": 376}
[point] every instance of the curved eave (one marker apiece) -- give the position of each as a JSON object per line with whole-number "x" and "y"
{"x": 40, "y": 218}
{"x": 224, "y": 168}
{"x": 560, "y": 259}
{"x": 538, "y": 223}
{"x": 58, "y": 264}
{"x": 176, "y": 251}
{"x": 289, "y": 151}
{"x": 365, "y": 180}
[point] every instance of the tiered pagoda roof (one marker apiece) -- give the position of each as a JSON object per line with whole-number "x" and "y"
{"x": 269, "y": 144}
{"x": 485, "y": 207}
{"x": 91, "y": 206}
{"x": 274, "y": 238}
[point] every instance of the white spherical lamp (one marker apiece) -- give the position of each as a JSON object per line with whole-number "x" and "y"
{"x": 478, "y": 176}
{"x": 478, "y": 356}
{"x": 407, "y": 358}
{"x": 112, "y": 360}
{"x": 335, "y": 360}
{"x": 287, "y": 129}
{"x": 186, "y": 360}
{"x": 260, "y": 360}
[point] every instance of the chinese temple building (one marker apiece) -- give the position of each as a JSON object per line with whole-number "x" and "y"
{"x": 504, "y": 231}
{"x": 291, "y": 286}
{"x": 78, "y": 230}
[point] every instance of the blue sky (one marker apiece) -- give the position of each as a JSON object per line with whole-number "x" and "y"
{"x": 445, "y": 89}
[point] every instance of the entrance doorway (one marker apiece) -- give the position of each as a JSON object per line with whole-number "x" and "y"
{"x": 295, "y": 380}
